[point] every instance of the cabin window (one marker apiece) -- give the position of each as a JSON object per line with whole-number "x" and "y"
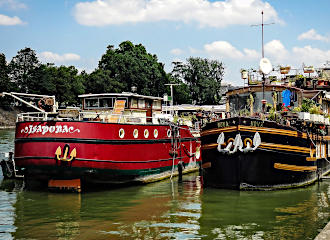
{"x": 134, "y": 103}
{"x": 142, "y": 103}
{"x": 157, "y": 104}
{"x": 106, "y": 102}
{"x": 91, "y": 103}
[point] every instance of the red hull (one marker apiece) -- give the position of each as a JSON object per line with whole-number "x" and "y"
{"x": 131, "y": 150}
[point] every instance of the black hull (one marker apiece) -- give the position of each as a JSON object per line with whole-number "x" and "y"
{"x": 280, "y": 162}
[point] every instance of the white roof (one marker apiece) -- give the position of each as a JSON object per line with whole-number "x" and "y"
{"x": 123, "y": 94}
{"x": 189, "y": 107}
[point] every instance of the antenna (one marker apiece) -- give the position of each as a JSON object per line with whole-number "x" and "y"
{"x": 265, "y": 65}
{"x": 262, "y": 30}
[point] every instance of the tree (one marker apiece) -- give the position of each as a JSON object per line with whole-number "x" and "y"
{"x": 203, "y": 77}
{"x": 4, "y": 80}
{"x": 63, "y": 82}
{"x": 181, "y": 93}
{"x": 131, "y": 65}
{"x": 5, "y": 84}
{"x": 100, "y": 81}
{"x": 23, "y": 69}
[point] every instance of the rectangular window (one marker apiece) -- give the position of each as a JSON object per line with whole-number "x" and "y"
{"x": 134, "y": 103}
{"x": 157, "y": 104}
{"x": 142, "y": 103}
{"x": 91, "y": 103}
{"x": 106, "y": 103}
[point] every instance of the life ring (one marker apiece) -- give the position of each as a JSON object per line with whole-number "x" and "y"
{"x": 230, "y": 140}
{"x": 41, "y": 104}
{"x": 246, "y": 140}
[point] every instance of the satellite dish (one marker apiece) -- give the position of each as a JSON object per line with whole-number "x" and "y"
{"x": 265, "y": 66}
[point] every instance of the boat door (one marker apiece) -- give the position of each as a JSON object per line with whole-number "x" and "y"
{"x": 149, "y": 110}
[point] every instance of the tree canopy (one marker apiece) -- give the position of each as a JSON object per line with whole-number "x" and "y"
{"x": 23, "y": 69}
{"x": 119, "y": 69}
{"x": 132, "y": 65}
{"x": 203, "y": 79}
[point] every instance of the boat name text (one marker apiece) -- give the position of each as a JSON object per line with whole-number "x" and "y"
{"x": 31, "y": 129}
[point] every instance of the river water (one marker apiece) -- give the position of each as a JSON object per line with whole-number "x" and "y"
{"x": 162, "y": 210}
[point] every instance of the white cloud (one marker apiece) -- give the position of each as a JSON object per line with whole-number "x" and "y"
{"x": 203, "y": 12}
{"x": 176, "y": 51}
{"x": 57, "y": 58}
{"x": 223, "y": 49}
{"x": 312, "y": 35}
{"x": 251, "y": 53}
{"x": 276, "y": 50}
{"x": 12, "y": 4}
{"x": 311, "y": 56}
{"x": 278, "y": 54}
{"x": 10, "y": 21}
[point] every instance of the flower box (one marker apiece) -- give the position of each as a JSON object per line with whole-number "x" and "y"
{"x": 304, "y": 116}
{"x": 314, "y": 117}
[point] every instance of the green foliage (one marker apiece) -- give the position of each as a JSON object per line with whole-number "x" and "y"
{"x": 23, "y": 69}
{"x": 131, "y": 65}
{"x": 297, "y": 109}
{"x": 181, "y": 93}
{"x": 203, "y": 78}
{"x": 274, "y": 116}
{"x": 315, "y": 110}
{"x": 307, "y": 104}
{"x": 100, "y": 81}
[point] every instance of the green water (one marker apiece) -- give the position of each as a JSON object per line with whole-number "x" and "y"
{"x": 163, "y": 210}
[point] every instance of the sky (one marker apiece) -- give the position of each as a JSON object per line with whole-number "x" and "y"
{"x": 77, "y": 32}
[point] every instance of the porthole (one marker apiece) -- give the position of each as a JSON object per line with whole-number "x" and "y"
{"x": 135, "y": 133}
{"x": 169, "y": 133}
{"x": 146, "y": 133}
{"x": 155, "y": 133}
{"x": 121, "y": 133}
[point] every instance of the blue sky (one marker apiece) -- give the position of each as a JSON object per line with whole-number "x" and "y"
{"x": 77, "y": 32}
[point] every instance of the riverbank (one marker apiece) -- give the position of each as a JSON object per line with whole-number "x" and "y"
{"x": 8, "y": 118}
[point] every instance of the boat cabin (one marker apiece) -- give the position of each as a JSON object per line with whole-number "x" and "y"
{"x": 123, "y": 107}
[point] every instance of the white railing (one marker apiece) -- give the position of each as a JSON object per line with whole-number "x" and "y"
{"x": 32, "y": 116}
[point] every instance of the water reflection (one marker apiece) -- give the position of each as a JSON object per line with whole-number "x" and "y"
{"x": 156, "y": 211}
{"x": 290, "y": 214}
{"x": 169, "y": 210}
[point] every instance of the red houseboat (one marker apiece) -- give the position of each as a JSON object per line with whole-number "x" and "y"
{"x": 115, "y": 138}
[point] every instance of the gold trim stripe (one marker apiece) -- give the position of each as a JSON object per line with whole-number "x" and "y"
{"x": 255, "y": 129}
{"x": 282, "y": 147}
{"x": 209, "y": 146}
{"x": 294, "y": 167}
{"x": 219, "y": 130}
{"x": 311, "y": 159}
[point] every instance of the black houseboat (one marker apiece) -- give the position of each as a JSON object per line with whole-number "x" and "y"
{"x": 276, "y": 135}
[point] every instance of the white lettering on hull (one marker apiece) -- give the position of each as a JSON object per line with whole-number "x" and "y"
{"x": 49, "y": 129}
